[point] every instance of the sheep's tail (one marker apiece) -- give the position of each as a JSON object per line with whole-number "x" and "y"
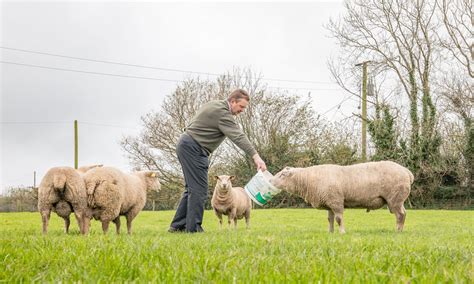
{"x": 412, "y": 177}
{"x": 90, "y": 194}
{"x": 59, "y": 181}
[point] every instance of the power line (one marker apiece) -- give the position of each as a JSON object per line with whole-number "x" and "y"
{"x": 89, "y": 72}
{"x": 67, "y": 122}
{"x": 337, "y": 105}
{"x": 152, "y": 67}
{"x": 107, "y": 62}
{"x": 296, "y": 88}
{"x": 34, "y": 122}
{"x": 136, "y": 77}
{"x": 107, "y": 125}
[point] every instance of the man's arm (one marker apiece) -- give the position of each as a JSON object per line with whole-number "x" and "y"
{"x": 231, "y": 129}
{"x": 259, "y": 162}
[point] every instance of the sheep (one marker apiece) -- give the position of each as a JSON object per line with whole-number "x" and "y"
{"x": 62, "y": 190}
{"x": 112, "y": 193}
{"x": 366, "y": 185}
{"x": 230, "y": 201}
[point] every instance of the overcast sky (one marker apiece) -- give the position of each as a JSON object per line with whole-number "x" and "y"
{"x": 38, "y": 106}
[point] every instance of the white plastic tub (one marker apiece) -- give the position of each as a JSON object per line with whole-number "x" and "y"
{"x": 259, "y": 188}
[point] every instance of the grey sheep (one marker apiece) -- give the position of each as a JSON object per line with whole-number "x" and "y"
{"x": 366, "y": 185}
{"x": 230, "y": 201}
{"x": 112, "y": 193}
{"x": 62, "y": 190}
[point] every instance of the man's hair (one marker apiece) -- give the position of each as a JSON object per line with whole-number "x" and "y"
{"x": 238, "y": 94}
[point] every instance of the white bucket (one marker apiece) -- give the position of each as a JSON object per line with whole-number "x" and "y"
{"x": 259, "y": 188}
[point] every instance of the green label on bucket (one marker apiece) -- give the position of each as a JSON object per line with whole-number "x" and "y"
{"x": 260, "y": 199}
{"x": 267, "y": 196}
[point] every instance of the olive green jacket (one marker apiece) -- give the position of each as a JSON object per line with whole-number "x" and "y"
{"x": 213, "y": 123}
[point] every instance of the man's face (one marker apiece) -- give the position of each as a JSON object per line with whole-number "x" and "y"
{"x": 238, "y": 106}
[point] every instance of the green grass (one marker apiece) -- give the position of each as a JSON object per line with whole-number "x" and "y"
{"x": 282, "y": 245}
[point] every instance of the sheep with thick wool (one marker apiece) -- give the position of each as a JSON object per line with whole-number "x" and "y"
{"x": 230, "y": 201}
{"x": 62, "y": 190}
{"x": 112, "y": 193}
{"x": 366, "y": 185}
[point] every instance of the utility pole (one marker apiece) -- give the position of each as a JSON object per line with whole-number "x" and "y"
{"x": 75, "y": 144}
{"x": 34, "y": 179}
{"x": 364, "y": 109}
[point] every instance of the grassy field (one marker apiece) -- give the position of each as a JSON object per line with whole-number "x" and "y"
{"x": 282, "y": 245}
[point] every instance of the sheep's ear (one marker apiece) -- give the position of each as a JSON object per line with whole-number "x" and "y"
{"x": 152, "y": 174}
{"x": 287, "y": 171}
{"x": 99, "y": 165}
{"x": 232, "y": 177}
{"x": 216, "y": 177}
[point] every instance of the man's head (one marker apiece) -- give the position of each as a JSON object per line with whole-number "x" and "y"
{"x": 238, "y": 100}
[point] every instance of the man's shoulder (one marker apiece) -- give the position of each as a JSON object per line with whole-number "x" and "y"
{"x": 216, "y": 105}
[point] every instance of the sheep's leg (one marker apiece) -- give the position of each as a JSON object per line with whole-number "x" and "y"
{"x": 395, "y": 204}
{"x": 67, "y": 222}
{"x": 45, "y": 218}
{"x": 340, "y": 220}
{"x": 229, "y": 219}
{"x": 331, "y": 220}
{"x": 129, "y": 225}
{"x": 400, "y": 214}
{"x": 130, "y": 216}
{"x": 219, "y": 216}
{"x": 80, "y": 216}
{"x": 105, "y": 226}
{"x": 233, "y": 217}
{"x": 247, "y": 218}
{"x": 117, "y": 224}
{"x": 86, "y": 222}
{"x": 106, "y": 216}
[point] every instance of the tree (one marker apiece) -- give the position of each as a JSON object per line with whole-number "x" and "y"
{"x": 458, "y": 21}
{"x": 384, "y": 134}
{"x": 456, "y": 88}
{"x": 399, "y": 37}
{"x": 20, "y": 199}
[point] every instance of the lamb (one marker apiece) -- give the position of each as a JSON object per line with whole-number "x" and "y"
{"x": 62, "y": 190}
{"x": 230, "y": 201}
{"x": 366, "y": 185}
{"x": 112, "y": 193}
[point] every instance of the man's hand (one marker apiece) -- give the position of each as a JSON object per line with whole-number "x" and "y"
{"x": 259, "y": 162}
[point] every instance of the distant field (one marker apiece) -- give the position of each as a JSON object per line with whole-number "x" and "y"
{"x": 282, "y": 245}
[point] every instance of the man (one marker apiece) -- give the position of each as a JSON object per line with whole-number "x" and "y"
{"x": 213, "y": 122}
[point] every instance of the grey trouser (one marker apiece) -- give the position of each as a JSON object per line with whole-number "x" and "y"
{"x": 195, "y": 164}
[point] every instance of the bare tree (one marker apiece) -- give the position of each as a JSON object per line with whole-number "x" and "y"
{"x": 457, "y": 90}
{"x": 458, "y": 99}
{"x": 458, "y": 20}
{"x": 399, "y": 37}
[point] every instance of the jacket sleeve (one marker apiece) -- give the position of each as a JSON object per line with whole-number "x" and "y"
{"x": 231, "y": 130}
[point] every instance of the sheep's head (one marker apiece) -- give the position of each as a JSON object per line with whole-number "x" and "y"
{"x": 224, "y": 183}
{"x": 283, "y": 178}
{"x": 151, "y": 180}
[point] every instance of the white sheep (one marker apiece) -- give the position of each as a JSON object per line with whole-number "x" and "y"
{"x": 366, "y": 185}
{"x": 230, "y": 201}
{"x": 112, "y": 193}
{"x": 62, "y": 190}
